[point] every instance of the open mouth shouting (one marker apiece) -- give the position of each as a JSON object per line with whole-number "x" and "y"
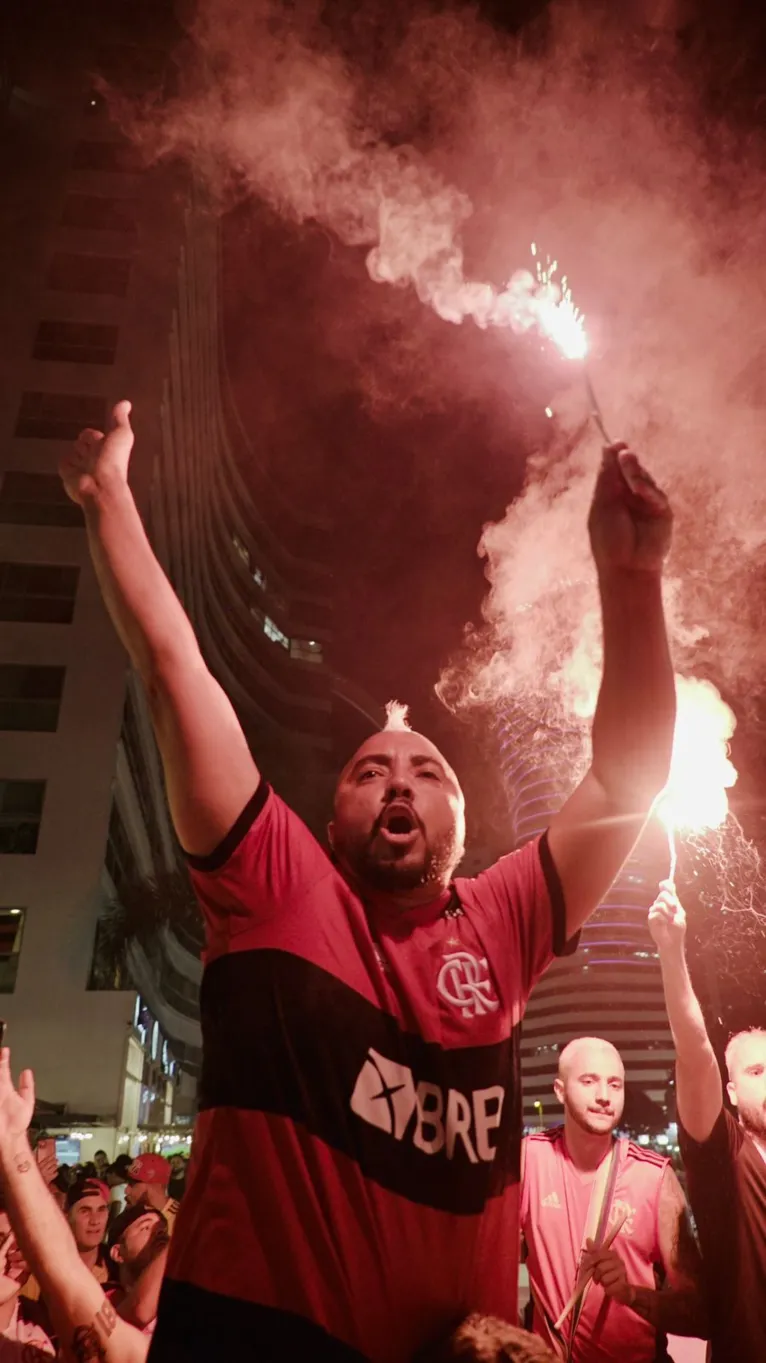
{"x": 398, "y": 824}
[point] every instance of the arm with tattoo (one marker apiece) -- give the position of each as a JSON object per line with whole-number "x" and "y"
{"x": 83, "y": 1317}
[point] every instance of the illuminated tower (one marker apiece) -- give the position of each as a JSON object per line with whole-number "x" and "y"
{"x": 612, "y": 986}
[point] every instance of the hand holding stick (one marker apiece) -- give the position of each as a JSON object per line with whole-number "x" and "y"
{"x": 583, "y": 1283}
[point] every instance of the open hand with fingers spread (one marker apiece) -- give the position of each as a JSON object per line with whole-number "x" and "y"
{"x": 630, "y": 522}
{"x": 97, "y": 460}
{"x": 16, "y": 1105}
{"x": 667, "y": 919}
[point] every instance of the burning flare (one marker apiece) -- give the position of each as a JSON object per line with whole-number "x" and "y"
{"x": 701, "y": 771}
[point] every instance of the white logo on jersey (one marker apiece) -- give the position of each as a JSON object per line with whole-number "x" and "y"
{"x": 386, "y": 1095}
{"x": 464, "y": 981}
{"x": 552, "y": 1200}
{"x": 620, "y": 1209}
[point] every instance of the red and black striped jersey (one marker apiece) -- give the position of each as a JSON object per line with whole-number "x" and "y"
{"x": 353, "y": 1186}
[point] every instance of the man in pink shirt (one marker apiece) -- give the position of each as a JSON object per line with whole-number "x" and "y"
{"x": 580, "y": 1184}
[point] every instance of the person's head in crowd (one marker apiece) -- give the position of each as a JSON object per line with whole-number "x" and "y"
{"x": 101, "y": 1161}
{"x": 591, "y": 1085}
{"x": 746, "y": 1068}
{"x": 136, "y": 1237}
{"x": 487, "y": 1339}
{"x": 88, "y": 1170}
{"x": 178, "y": 1166}
{"x": 148, "y": 1179}
{"x": 87, "y": 1209}
{"x": 398, "y": 824}
{"x": 14, "y": 1270}
{"x": 117, "y": 1173}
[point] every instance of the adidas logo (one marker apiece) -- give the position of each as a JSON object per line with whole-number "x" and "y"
{"x": 552, "y": 1200}
{"x": 386, "y": 1095}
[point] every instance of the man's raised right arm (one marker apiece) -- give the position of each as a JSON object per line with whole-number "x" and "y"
{"x": 699, "y": 1092}
{"x": 209, "y": 770}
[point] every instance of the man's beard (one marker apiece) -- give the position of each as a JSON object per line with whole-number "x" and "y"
{"x": 585, "y": 1119}
{"x": 151, "y": 1249}
{"x": 394, "y": 877}
{"x": 754, "y": 1120}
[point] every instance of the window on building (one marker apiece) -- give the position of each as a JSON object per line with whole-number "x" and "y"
{"x": 131, "y": 1093}
{"x": 21, "y": 807}
{"x": 36, "y": 499}
{"x": 76, "y": 342}
{"x": 30, "y": 697}
{"x": 306, "y": 650}
{"x": 119, "y": 858}
{"x": 241, "y": 549}
{"x": 72, "y": 272}
{"x": 273, "y": 631}
{"x": 121, "y": 158}
{"x": 134, "y": 749}
{"x": 258, "y": 576}
{"x": 39, "y": 593}
{"x": 58, "y": 416}
{"x": 11, "y": 930}
{"x": 99, "y": 213}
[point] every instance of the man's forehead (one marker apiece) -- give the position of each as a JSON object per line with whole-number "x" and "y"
{"x": 390, "y": 743}
{"x": 592, "y": 1056}
{"x": 750, "y": 1048}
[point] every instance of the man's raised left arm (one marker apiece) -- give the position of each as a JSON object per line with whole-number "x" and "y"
{"x": 590, "y": 838}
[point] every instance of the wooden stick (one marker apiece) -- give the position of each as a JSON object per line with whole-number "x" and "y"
{"x": 580, "y": 1288}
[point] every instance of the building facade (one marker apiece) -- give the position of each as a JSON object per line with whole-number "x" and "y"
{"x": 112, "y": 293}
{"x": 612, "y": 986}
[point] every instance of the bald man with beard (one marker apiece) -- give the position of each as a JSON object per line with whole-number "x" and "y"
{"x": 580, "y": 1182}
{"x": 354, "y": 1181}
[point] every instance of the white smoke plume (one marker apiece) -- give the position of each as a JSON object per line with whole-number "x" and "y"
{"x": 449, "y": 143}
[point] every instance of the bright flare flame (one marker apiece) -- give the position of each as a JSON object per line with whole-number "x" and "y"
{"x": 701, "y": 771}
{"x": 558, "y": 317}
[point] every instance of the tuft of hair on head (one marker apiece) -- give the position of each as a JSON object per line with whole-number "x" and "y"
{"x": 397, "y": 716}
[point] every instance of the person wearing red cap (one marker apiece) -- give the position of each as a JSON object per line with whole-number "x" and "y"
{"x": 148, "y": 1179}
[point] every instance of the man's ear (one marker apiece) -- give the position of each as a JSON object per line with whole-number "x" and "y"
{"x": 558, "y": 1089}
{"x": 732, "y": 1092}
{"x": 115, "y": 1253}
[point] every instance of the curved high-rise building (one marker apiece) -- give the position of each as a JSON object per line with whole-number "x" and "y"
{"x": 612, "y": 986}
{"x": 114, "y": 292}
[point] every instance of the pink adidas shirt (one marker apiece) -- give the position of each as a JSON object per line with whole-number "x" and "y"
{"x": 554, "y": 1210}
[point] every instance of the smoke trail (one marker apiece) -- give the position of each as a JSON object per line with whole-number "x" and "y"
{"x": 442, "y": 152}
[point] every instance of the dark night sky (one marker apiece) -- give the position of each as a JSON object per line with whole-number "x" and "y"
{"x": 410, "y": 473}
{"x": 412, "y": 434}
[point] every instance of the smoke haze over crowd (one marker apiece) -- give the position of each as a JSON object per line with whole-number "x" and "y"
{"x": 443, "y": 148}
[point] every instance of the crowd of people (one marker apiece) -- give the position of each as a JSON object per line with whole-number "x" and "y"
{"x": 358, "y": 1188}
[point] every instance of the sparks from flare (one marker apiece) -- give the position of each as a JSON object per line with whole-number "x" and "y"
{"x": 701, "y": 771}
{"x": 558, "y": 317}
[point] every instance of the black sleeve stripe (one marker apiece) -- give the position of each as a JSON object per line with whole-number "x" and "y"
{"x": 561, "y": 947}
{"x": 229, "y": 844}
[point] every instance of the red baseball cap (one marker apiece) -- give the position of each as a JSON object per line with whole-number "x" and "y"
{"x": 150, "y": 1169}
